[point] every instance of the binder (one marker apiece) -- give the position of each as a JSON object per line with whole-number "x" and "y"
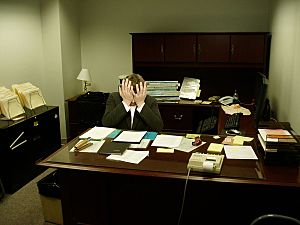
{"x": 116, "y": 148}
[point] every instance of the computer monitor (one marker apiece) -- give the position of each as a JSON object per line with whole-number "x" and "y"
{"x": 260, "y": 96}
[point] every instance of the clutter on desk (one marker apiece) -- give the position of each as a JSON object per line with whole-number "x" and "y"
{"x": 235, "y": 108}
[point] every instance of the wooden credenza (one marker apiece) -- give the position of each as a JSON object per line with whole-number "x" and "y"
{"x": 25, "y": 142}
{"x": 223, "y": 61}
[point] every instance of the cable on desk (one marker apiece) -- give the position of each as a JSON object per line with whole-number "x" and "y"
{"x": 183, "y": 198}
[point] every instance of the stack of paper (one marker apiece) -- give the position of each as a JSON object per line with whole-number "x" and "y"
{"x": 10, "y": 104}
{"x": 31, "y": 96}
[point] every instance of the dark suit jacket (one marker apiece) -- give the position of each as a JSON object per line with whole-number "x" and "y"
{"x": 149, "y": 119}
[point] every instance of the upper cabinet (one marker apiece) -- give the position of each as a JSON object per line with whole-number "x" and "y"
{"x": 230, "y": 50}
{"x": 213, "y": 47}
{"x": 180, "y": 48}
{"x": 247, "y": 48}
{"x": 148, "y": 48}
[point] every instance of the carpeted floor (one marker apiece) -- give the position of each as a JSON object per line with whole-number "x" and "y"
{"x": 24, "y": 206}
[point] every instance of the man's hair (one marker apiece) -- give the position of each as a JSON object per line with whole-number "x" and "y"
{"x": 135, "y": 79}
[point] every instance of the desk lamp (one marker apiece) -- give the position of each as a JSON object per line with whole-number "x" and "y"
{"x": 84, "y": 76}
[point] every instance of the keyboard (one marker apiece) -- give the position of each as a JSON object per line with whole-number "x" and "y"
{"x": 233, "y": 121}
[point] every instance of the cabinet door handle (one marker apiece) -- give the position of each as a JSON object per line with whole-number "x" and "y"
{"x": 178, "y": 117}
{"x": 162, "y": 48}
{"x": 232, "y": 49}
{"x": 199, "y": 49}
{"x": 194, "y": 49}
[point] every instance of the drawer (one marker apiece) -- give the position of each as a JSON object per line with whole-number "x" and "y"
{"x": 177, "y": 118}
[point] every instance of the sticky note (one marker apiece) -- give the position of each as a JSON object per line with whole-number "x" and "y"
{"x": 215, "y": 148}
{"x": 165, "y": 150}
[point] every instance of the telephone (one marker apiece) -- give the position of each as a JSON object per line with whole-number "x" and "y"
{"x": 226, "y": 100}
{"x": 202, "y": 162}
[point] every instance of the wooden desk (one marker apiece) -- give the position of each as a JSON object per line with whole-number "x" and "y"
{"x": 98, "y": 191}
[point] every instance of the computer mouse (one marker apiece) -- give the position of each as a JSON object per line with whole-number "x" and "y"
{"x": 233, "y": 132}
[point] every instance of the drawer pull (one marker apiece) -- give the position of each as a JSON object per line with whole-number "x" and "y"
{"x": 14, "y": 142}
{"x": 23, "y": 142}
{"x": 178, "y": 117}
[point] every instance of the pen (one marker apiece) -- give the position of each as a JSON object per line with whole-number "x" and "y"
{"x": 88, "y": 144}
{"x": 81, "y": 143}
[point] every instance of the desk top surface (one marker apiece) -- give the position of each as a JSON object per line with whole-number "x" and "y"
{"x": 174, "y": 165}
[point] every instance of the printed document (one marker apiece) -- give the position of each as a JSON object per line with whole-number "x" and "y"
{"x": 130, "y": 156}
{"x": 169, "y": 141}
{"x": 97, "y": 133}
{"x": 239, "y": 152}
{"x": 187, "y": 146}
{"x": 131, "y": 136}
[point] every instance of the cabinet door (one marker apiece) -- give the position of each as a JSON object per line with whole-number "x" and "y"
{"x": 213, "y": 48}
{"x": 180, "y": 48}
{"x": 247, "y": 48}
{"x": 148, "y": 48}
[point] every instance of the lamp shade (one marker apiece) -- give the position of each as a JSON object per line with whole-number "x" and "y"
{"x": 84, "y": 75}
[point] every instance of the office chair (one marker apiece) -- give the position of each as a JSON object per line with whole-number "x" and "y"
{"x": 275, "y": 219}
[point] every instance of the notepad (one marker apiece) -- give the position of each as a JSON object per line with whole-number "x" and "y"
{"x": 215, "y": 148}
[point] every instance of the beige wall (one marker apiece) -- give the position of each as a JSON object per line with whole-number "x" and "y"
{"x": 21, "y": 54}
{"x": 284, "y": 91}
{"x": 106, "y": 24}
{"x": 70, "y": 47}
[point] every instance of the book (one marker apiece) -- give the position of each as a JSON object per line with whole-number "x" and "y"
{"x": 276, "y": 138}
{"x": 277, "y": 152}
{"x": 114, "y": 148}
{"x": 190, "y": 88}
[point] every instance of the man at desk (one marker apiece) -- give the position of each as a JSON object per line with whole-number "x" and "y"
{"x": 132, "y": 108}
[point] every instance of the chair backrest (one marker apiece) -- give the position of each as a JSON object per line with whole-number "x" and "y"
{"x": 275, "y": 219}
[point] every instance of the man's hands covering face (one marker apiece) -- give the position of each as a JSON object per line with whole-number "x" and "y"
{"x": 129, "y": 96}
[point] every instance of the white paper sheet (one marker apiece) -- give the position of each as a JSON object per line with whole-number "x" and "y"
{"x": 130, "y": 156}
{"x": 143, "y": 144}
{"x": 97, "y": 133}
{"x": 239, "y": 152}
{"x": 169, "y": 141}
{"x": 131, "y": 136}
{"x": 187, "y": 146}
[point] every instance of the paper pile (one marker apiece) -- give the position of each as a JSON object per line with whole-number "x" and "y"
{"x": 30, "y": 96}
{"x": 10, "y": 104}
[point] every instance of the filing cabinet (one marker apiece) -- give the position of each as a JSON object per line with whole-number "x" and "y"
{"x": 25, "y": 142}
